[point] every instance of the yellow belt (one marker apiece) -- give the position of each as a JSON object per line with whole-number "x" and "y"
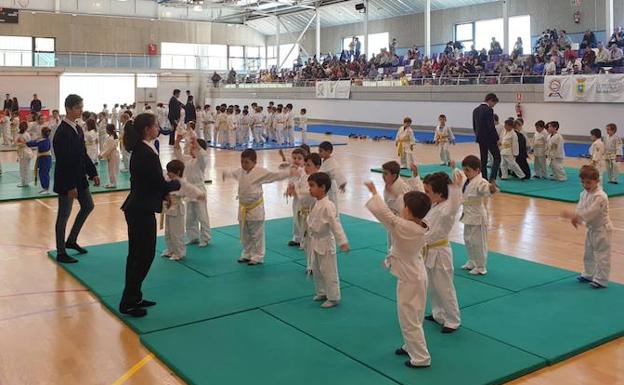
{"x": 473, "y": 201}
{"x": 434, "y": 245}
{"x": 244, "y": 209}
{"x": 506, "y": 145}
{"x": 401, "y": 148}
{"x": 303, "y": 212}
{"x": 610, "y": 155}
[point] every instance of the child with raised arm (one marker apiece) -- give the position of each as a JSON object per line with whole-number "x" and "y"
{"x": 443, "y": 138}
{"x": 555, "y": 151}
{"x": 404, "y": 261}
{"x": 174, "y": 211}
{"x": 445, "y": 198}
{"x": 331, "y": 168}
{"x": 539, "y": 150}
{"x": 613, "y": 153}
{"x": 251, "y": 204}
{"x": 593, "y": 211}
{"x": 404, "y": 141}
{"x": 475, "y": 191}
{"x": 325, "y": 232}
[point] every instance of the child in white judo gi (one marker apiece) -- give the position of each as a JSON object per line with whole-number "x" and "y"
{"x": 24, "y": 154}
{"x": 174, "y": 211}
{"x": 613, "y": 153}
{"x": 396, "y": 187}
{"x": 330, "y": 167}
{"x": 597, "y": 151}
{"x": 404, "y": 142}
{"x": 540, "y": 139}
{"x": 438, "y": 256}
{"x": 475, "y": 191}
{"x": 593, "y": 211}
{"x": 299, "y": 189}
{"x": 303, "y": 124}
{"x": 509, "y": 149}
{"x": 325, "y": 232}
{"x": 251, "y": 204}
{"x": 110, "y": 152}
{"x": 125, "y": 155}
{"x": 209, "y": 121}
{"x": 195, "y": 163}
{"x": 405, "y": 263}
{"x": 555, "y": 152}
{"x": 289, "y": 135}
{"x": 280, "y": 119}
{"x": 298, "y": 161}
{"x": 444, "y": 138}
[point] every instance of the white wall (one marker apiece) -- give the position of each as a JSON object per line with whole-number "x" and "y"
{"x": 23, "y": 86}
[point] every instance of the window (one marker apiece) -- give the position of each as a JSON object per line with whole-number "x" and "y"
{"x": 147, "y": 81}
{"x": 482, "y": 31}
{"x": 485, "y": 30}
{"x": 347, "y": 40}
{"x": 97, "y": 89}
{"x": 520, "y": 27}
{"x": 44, "y": 52}
{"x": 253, "y": 58}
{"x": 464, "y": 33}
{"x": 377, "y": 42}
{"x": 16, "y": 51}
{"x": 236, "y": 57}
{"x": 288, "y": 55}
{"x": 217, "y": 56}
{"x": 193, "y": 56}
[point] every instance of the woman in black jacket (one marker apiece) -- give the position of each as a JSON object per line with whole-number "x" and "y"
{"x": 148, "y": 189}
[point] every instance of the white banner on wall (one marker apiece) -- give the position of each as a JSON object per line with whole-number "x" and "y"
{"x": 340, "y": 89}
{"x": 606, "y": 88}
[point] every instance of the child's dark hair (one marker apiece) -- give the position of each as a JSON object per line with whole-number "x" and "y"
{"x": 596, "y": 133}
{"x": 202, "y": 143}
{"x": 321, "y": 179}
{"x": 304, "y": 111}
{"x": 471, "y": 162}
{"x": 442, "y": 116}
{"x": 314, "y": 158}
{"x": 392, "y": 167}
{"x": 612, "y": 126}
{"x": 299, "y": 151}
{"x": 510, "y": 122}
{"x": 407, "y": 120}
{"x": 540, "y": 124}
{"x": 305, "y": 148}
{"x": 111, "y": 130}
{"x": 23, "y": 126}
{"x": 589, "y": 172}
{"x": 250, "y": 154}
{"x": 45, "y": 132}
{"x": 326, "y": 146}
{"x": 439, "y": 182}
{"x": 418, "y": 203}
{"x": 555, "y": 124}
{"x": 176, "y": 166}
{"x": 496, "y": 118}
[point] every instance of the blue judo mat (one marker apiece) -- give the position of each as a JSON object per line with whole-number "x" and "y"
{"x": 572, "y": 149}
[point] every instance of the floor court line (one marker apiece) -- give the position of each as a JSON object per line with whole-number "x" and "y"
{"x": 135, "y": 368}
{"x": 49, "y": 310}
{"x": 43, "y": 292}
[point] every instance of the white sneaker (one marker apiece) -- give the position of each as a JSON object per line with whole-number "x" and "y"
{"x": 44, "y": 192}
{"x": 319, "y": 298}
{"x": 22, "y": 185}
{"x": 478, "y": 271}
{"x": 202, "y": 244}
{"x": 328, "y": 304}
{"x": 175, "y": 258}
{"x": 468, "y": 266}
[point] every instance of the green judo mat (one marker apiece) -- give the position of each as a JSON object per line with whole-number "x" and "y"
{"x": 10, "y": 178}
{"x": 567, "y": 191}
{"x": 218, "y": 321}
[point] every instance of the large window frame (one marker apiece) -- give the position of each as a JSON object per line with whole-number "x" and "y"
{"x": 519, "y": 23}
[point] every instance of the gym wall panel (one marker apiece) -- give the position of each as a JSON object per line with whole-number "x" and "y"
{"x": 24, "y": 85}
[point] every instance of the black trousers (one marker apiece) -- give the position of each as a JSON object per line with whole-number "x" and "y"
{"x": 174, "y": 124}
{"x": 141, "y": 251}
{"x": 485, "y": 149}
{"x": 524, "y": 165}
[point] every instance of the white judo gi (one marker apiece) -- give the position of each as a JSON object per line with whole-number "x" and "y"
{"x": 209, "y": 121}
{"x": 24, "y": 156}
{"x": 289, "y": 134}
{"x": 280, "y": 126}
{"x": 125, "y": 155}
{"x": 404, "y": 141}
{"x": 304, "y": 203}
{"x": 439, "y": 259}
{"x": 251, "y": 208}
{"x": 393, "y": 197}
{"x": 298, "y": 227}
{"x": 257, "y": 123}
{"x": 475, "y": 219}
{"x": 331, "y": 168}
{"x": 110, "y": 152}
{"x": 613, "y": 149}
{"x": 443, "y": 138}
{"x": 303, "y": 124}
{"x": 597, "y": 153}
{"x": 509, "y": 149}
{"x": 593, "y": 208}
{"x": 197, "y": 219}
{"x": 539, "y": 154}
{"x": 174, "y": 219}
{"x": 323, "y": 226}
{"x": 405, "y": 263}
{"x": 556, "y": 153}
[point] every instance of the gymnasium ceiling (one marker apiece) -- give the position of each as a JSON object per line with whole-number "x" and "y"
{"x": 295, "y": 14}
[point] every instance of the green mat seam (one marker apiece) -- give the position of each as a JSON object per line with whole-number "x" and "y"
{"x": 169, "y": 363}
{"x": 331, "y": 346}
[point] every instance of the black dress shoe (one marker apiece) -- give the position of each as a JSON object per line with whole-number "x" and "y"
{"x": 75, "y": 246}
{"x": 400, "y": 352}
{"x": 146, "y": 303}
{"x": 293, "y": 243}
{"x": 134, "y": 312}
{"x": 64, "y": 258}
{"x": 409, "y": 364}
{"x": 430, "y": 318}
{"x": 447, "y": 330}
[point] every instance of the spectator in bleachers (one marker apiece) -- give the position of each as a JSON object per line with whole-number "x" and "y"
{"x": 358, "y": 48}
{"x": 518, "y": 50}
{"x": 473, "y": 52}
{"x": 231, "y": 78}
{"x": 216, "y": 78}
{"x": 495, "y": 47}
{"x": 589, "y": 40}
{"x": 564, "y": 39}
{"x": 617, "y": 37}
{"x": 551, "y": 67}
{"x": 588, "y": 61}
{"x": 393, "y": 46}
{"x": 603, "y": 56}
{"x": 483, "y": 56}
{"x": 569, "y": 54}
{"x": 616, "y": 55}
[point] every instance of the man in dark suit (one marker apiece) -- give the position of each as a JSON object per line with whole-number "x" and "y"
{"x": 8, "y": 103}
{"x": 190, "y": 115}
{"x": 487, "y": 137}
{"x": 70, "y": 178}
{"x": 35, "y": 105}
{"x": 175, "y": 106}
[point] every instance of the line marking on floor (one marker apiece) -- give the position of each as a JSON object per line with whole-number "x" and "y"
{"x": 134, "y": 369}
{"x": 44, "y": 204}
{"x": 44, "y": 292}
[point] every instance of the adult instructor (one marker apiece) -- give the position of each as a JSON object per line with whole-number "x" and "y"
{"x": 148, "y": 189}
{"x": 487, "y": 137}
{"x": 175, "y": 106}
{"x": 73, "y": 165}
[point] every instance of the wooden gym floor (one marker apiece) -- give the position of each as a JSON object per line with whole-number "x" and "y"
{"x": 53, "y": 331}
